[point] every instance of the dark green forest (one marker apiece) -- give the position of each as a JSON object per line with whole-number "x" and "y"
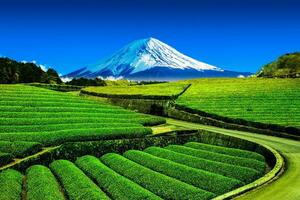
{"x": 87, "y": 82}
{"x": 12, "y": 71}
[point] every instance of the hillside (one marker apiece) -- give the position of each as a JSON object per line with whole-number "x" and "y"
{"x": 12, "y": 71}
{"x": 287, "y": 65}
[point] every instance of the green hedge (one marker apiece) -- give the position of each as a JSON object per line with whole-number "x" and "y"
{"x": 129, "y": 96}
{"x": 54, "y": 109}
{"x": 5, "y": 158}
{"x": 59, "y": 127}
{"x": 76, "y": 135}
{"x": 76, "y": 184}
{"x": 208, "y": 181}
{"x": 117, "y": 186}
{"x": 11, "y": 185}
{"x": 162, "y": 185}
{"x": 104, "y": 113}
{"x": 62, "y": 88}
{"x": 71, "y": 120}
{"x": 41, "y": 184}
{"x": 19, "y": 148}
{"x": 226, "y": 150}
{"x": 166, "y": 91}
{"x": 244, "y": 162}
{"x": 243, "y": 174}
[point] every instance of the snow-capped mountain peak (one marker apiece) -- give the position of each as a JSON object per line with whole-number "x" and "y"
{"x": 145, "y": 54}
{"x": 157, "y": 53}
{"x": 150, "y": 59}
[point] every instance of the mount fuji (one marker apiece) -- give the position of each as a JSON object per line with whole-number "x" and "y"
{"x": 151, "y": 60}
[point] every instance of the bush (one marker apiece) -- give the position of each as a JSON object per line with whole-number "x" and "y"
{"x": 117, "y": 186}
{"x": 243, "y": 174}
{"x": 10, "y": 185}
{"x": 104, "y": 113}
{"x": 76, "y": 184}
{"x": 165, "y": 91}
{"x": 19, "y": 148}
{"x": 226, "y": 150}
{"x": 41, "y": 184}
{"x": 77, "y": 135}
{"x": 160, "y": 184}
{"x": 60, "y": 127}
{"x": 5, "y": 158}
{"x": 87, "y": 82}
{"x": 244, "y": 162}
{"x": 208, "y": 181}
{"x": 72, "y": 120}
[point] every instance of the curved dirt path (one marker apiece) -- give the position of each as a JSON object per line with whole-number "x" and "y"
{"x": 288, "y": 184}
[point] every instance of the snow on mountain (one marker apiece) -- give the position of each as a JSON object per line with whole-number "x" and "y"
{"x": 146, "y": 58}
{"x": 144, "y": 54}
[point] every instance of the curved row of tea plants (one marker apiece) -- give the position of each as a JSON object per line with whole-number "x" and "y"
{"x": 155, "y": 173}
{"x": 36, "y": 115}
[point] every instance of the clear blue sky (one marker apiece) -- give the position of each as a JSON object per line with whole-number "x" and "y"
{"x": 238, "y": 35}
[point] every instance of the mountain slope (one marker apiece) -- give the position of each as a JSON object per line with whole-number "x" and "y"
{"x": 287, "y": 65}
{"x": 150, "y": 59}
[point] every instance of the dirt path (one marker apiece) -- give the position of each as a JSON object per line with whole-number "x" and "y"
{"x": 288, "y": 185}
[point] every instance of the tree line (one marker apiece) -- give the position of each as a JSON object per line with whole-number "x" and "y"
{"x": 12, "y": 72}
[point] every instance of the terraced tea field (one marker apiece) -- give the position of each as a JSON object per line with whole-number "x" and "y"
{"x": 270, "y": 101}
{"x": 189, "y": 171}
{"x": 40, "y": 116}
{"x": 267, "y": 101}
{"x": 170, "y": 90}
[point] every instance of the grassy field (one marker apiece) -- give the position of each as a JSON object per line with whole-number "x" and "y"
{"x": 271, "y": 101}
{"x": 155, "y": 173}
{"x": 35, "y": 115}
{"x": 162, "y": 89}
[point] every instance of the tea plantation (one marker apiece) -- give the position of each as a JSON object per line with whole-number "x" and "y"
{"x": 269, "y": 101}
{"x": 38, "y": 116}
{"x": 155, "y": 173}
{"x": 167, "y": 90}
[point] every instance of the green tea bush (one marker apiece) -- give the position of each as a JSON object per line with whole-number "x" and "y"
{"x": 72, "y": 120}
{"x": 226, "y": 150}
{"x": 243, "y": 174}
{"x": 117, "y": 186}
{"x": 154, "y": 91}
{"x": 5, "y": 158}
{"x": 104, "y": 113}
{"x": 11, "y": 185}
{"x": 160, "y": 184}
{"x": 244, "y": 162}
{"x": 41, "y": 184}
{"x": 76, "y": 184}
{"x": 76, "y": 135}
{"x": 208, "y": 181}
{"x": 55, "y": 127}
{"x": 19, "y": 148}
